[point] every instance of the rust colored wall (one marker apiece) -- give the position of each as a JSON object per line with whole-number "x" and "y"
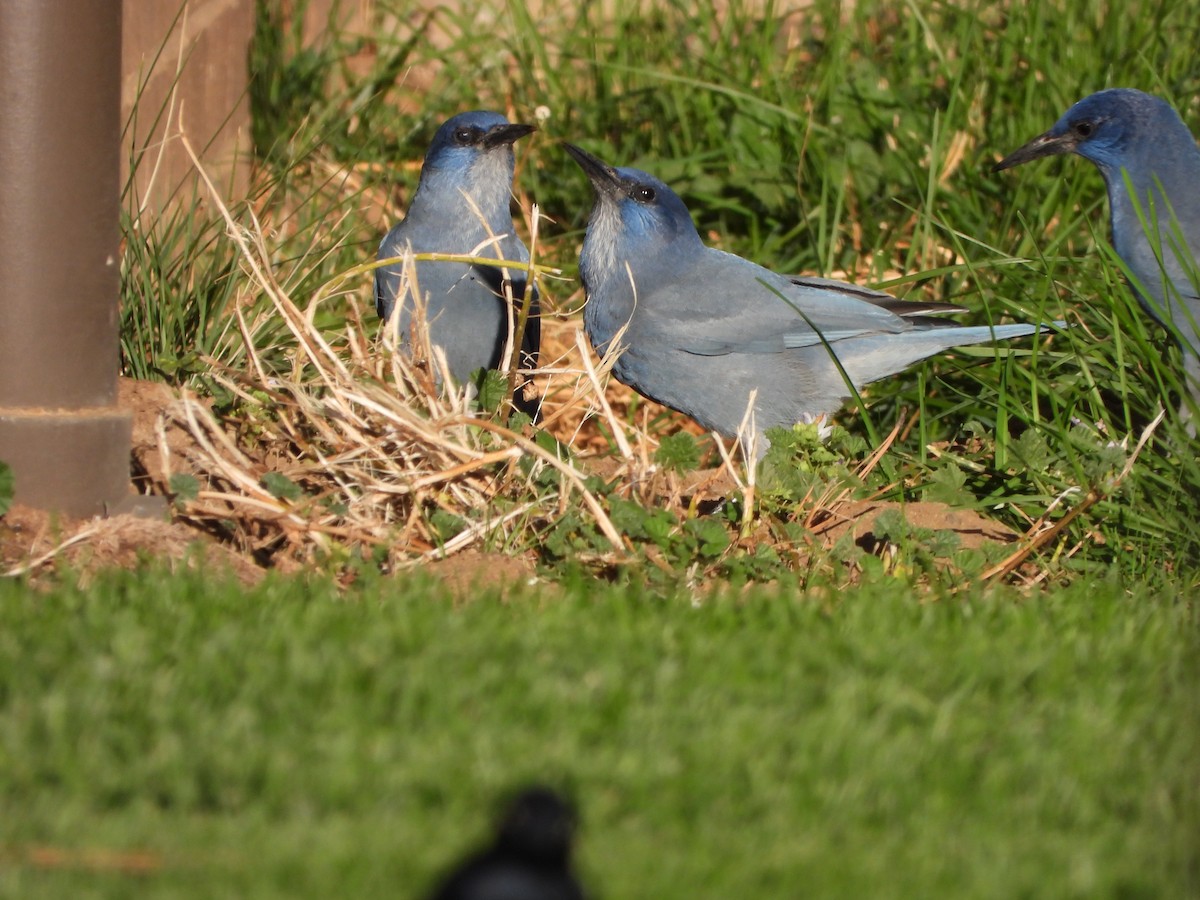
{"x": 186, "y": 72}
{"x": 189, "y": 72}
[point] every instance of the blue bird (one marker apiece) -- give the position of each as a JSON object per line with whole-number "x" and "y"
{"x": 1150, "y": 162}
{"x": 462, "y": 202}
{"x": 530, "y": 858}
{"x": 703, "y": 329}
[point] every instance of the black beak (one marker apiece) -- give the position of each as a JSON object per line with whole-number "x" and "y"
{"x": 604, "y": 178}
{"x": 506, "y": 134}
{"x": 1048, "y": 144}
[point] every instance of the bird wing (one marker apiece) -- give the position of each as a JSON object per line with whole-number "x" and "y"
{"x": 730, "y": 305}
{"x": 908, "y": 309}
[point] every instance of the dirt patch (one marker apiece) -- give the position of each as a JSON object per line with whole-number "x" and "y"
{"x": 152, "y": 432}
{"x": 473, "y": 572}
{"x": 858, "y": 518}
{"x": 31, "y": 539}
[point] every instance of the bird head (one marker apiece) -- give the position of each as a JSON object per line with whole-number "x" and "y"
{"x": 1111, "y": 128}
{"x": 469, "y": 135}
{"x": 635, "y": 214}
{"x": 472, "y": 152}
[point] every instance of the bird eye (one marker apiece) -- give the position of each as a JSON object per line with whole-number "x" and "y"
{"x": 464, "y": 136}
{"x": 644, "y": 194}
{"x": 1083, "y": 128}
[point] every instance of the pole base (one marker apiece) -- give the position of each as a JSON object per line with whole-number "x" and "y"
{"x": 72, "y": 461}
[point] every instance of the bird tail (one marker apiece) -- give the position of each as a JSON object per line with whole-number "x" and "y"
{"x": 950, "y": 335}
{"x": 876, "y": 356}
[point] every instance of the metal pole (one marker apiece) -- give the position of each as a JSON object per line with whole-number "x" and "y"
{"x": 60, "y": 429}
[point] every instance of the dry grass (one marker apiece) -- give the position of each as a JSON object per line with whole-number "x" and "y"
{"x": 371, "y": 444}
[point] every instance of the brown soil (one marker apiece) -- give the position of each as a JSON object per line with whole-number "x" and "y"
{"x": 858, "y": 518}
{"x": 473, "y": 572}
{"x": 31, "y": 539}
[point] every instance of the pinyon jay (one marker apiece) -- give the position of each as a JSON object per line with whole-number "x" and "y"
{"x": 703, "y": 329}
{"x": 461, "y": 206}
{"x": 1151, "y": 164}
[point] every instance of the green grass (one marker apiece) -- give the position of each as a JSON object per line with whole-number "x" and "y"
{"x": 291, "y": 741}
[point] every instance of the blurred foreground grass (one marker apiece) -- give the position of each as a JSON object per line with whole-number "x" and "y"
{"x": 178, "y": 736}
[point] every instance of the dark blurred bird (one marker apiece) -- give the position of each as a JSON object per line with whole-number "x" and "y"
{"x": 462, "y": 203}
{"x": 530, "y": 858}
{"x": 1150, "y": 162}
{"x": 704, "y": 329}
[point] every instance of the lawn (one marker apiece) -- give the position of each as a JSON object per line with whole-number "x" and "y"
{"x": 176, "y": 736}
{"x": 952, "y": 650}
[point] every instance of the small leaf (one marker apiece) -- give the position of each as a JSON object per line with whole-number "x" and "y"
{"x": 711, "y": 535}
{"x": 6, "y": 487}
{"x": 678, "y": 453}
{"x": 551, "y": 444}
{"x": 282, "y": 487}
{"x": 943, "y": 543}
{"x": 659, "y": 528}
{"x": 518, "y": 420}
{"x": 948, "y": 485}
{"x": 891, "y": 525}
{"x": 446, "y": 524}
{"x": 628, "y": 518}
{"x": 1033, "y": 450}
{"x": 336, "y": 505}
{"x": 493, "y": 388}
{"x": 184, "y": 487}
